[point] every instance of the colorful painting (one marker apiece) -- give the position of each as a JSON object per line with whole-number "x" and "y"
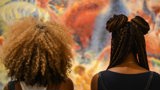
{"x": 86, "y": 21}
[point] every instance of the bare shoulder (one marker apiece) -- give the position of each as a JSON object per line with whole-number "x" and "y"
{"x": 67, "y": 85}
{"x": 94, "y": 82}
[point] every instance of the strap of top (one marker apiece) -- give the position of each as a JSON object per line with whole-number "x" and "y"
{"x": 24, "y": 86}
{"x": 149, "y": 81}
{"x": 11, "y": 85}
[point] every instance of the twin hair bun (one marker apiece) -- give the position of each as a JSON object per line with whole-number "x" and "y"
{"x": 119, "y": 21}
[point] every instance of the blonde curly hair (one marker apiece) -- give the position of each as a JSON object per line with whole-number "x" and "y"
{"x": 38, "y": 52}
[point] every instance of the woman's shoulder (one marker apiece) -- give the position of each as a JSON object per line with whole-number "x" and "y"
{"x": 94, "y": 82}
{"x": 155, "y": 81}
{"x": 67, "y": 84}
{"x": 12, "y": 85}
{"x": 156, "y": 76}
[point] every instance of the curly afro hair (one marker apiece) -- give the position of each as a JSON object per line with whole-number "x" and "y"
{"x": 37, "y": 52}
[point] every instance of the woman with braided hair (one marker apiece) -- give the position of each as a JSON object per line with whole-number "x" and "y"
{"x": 38, "y": 56}
{"x": 128, "y": 68}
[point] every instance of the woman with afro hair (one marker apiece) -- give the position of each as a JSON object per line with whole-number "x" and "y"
{"x": 38, "y": 56}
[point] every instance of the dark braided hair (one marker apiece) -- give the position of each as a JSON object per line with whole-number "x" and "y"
{"x": 127, "y": 37}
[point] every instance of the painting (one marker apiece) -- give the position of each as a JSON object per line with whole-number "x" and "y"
{"x": 86, "y": 20}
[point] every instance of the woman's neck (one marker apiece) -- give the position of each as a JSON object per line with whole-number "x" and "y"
{"x": 129, "y": 66}
{"x": 130, "y": 59}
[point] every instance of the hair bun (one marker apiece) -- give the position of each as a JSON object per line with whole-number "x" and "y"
{"x": 142, "y": 24}
{"x": 116, "y": 22}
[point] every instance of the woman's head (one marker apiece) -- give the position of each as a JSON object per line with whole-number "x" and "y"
{"x": 38, "y": 52}
{"x": 127, "y": 37}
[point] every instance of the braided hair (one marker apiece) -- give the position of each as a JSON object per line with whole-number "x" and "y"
{"x": 127, "y": 37}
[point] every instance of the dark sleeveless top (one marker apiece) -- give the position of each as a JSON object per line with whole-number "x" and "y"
{"x": 109, "y": 80}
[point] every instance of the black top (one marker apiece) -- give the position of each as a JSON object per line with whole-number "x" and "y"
{"x": 109, "y": 80}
